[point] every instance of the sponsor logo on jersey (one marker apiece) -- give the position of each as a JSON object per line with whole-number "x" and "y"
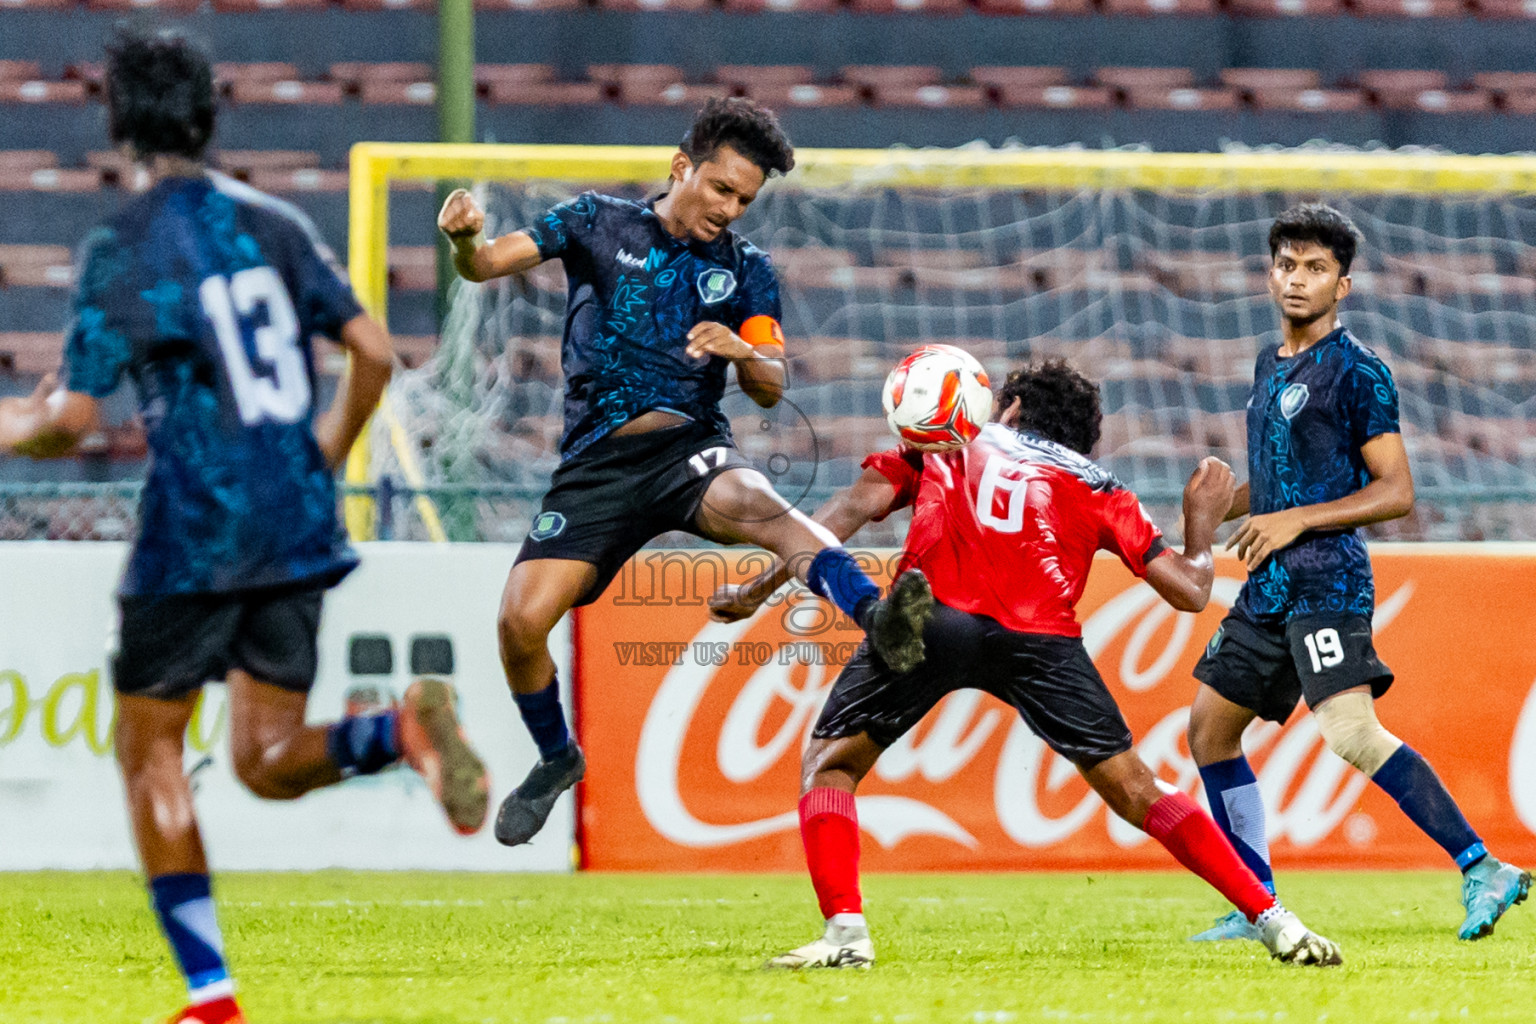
{"x": 625, "y": 258}
{"x": 716, "y": 285}
{"x": 547, "y": 525}
{"x": 1293, "y": 399}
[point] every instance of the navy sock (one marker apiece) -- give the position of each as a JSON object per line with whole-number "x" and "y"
{"x": 363, "y": 744}
{"x": 1408, "y": 779}
{"x": 835, "y": 576}
{"x": 545, "y": 720}
{"x": 184, "y": 905}
{"x": 1233, "y": 793}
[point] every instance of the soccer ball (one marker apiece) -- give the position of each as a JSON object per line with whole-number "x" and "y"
{"x": 937, "y": 398}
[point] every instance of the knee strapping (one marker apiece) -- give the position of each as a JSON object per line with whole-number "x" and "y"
{"x": 1349, "y": 725}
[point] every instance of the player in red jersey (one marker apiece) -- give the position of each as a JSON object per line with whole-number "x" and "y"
{"x": 1006, "y": 529}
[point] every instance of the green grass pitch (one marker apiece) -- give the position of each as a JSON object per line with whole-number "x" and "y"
{"x": 359, "y": 948}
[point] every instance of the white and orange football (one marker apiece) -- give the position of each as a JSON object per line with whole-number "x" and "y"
{"x": 937, "y": 398}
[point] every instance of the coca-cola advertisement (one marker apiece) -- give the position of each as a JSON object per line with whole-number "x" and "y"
{"x": 693, "y": 729}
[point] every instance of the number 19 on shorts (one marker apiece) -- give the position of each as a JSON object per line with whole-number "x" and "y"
{"x": 1324, "y": 648}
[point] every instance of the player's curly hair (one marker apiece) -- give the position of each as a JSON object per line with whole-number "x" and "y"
{"x": 749, "y": 129}
{"x": 159, "y": 93}
{"x": 1318, "y": 223}
{"x": 1056, "y": 402}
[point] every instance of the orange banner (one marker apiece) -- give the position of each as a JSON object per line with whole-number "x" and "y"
{"x": 693, "y": 729}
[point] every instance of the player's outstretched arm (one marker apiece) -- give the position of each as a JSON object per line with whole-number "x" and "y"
{"x": 845, "y": 513}
{"x": 474, "y": 257}
{"x": 1389, "y": 495}
{"x": 759, "y": 368}
{"x": 47, "y": 423}
{"x": 368, "y": 371}
{"x": 1184, "y": 580}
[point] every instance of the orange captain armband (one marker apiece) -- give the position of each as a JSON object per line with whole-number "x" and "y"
{"x": 762, "y": 330}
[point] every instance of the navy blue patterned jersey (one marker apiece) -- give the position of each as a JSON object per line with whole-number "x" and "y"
{"x": 1308, "y": 416}
{"x": 634, "y": 293}
{"x": 207, "y": 293}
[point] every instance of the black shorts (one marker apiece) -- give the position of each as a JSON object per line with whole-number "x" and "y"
{"x": 1049, "y": 680}
{"x": 613, "y": 498}
{"x": 1267, "y": 668}
{"x": 170, "y": 646}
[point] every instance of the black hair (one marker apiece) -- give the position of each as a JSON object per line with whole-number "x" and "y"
{"x": 159, "y": 93}
{"x": 1318, "y": 223}
{"x": 749, "y": 129}
{"x": 1056, "y": 402}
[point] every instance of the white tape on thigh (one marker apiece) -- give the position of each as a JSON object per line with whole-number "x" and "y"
{"x": 1349, "y": 725}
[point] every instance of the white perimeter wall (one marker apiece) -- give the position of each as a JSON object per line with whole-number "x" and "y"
{"x": 61, "y": 803}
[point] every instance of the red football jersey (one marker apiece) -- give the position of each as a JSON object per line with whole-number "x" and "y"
{"x": 1008, "y": 525}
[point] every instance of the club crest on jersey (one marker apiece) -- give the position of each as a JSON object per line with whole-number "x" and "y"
{"x": 1293, "y": 399}
{"x": 716, "y": 285}
{"x": 1215, "y": 644}
{"x": 547, "y": 525}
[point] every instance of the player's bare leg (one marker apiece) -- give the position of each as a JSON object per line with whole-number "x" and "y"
{"x": 1167, "y": 815}
{"x": 150, "y": 733}
{"x": 538, "y": 593}
{"x": 741, "y": 506}
{"x": 831, "y": 770}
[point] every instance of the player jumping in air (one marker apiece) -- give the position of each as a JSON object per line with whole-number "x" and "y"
{"x": 663, "y": 297}
{"x": 207, "y": 293}
{"x": 1006, "y": 529}
{"x": 1324, "y": 458}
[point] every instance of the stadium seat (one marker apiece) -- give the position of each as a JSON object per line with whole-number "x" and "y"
{"x": 289, "y": 91}
{"x": 940, "y": 7}
{"x": 1507, "y": 9}
{"x": 159, "y": 6}
{"x": 34, "y": 91}
{"x": 48, "y": 179}
{"x": 237, "y": 161}
{"x": 304, "y": 179}
{"x": 953, "y": 96}
{"x": 36, "y": 266}
{"x": 354, "y": 75}
{"x": 1249, "y": 80}
{"x": 487, "y": 75}
{"x": 528, "y": 5}
{"x": 1307, "y": 100}
{"x": 40, "y": 5}
{"x": 1399, "y": 88}
{"x": 20, "y": 160}
{"x": 248, "y": 6}
{"x": 1001, "y": 77}
{"x": 20, "y": 71}
{"x": 398, "y": 93}
{"x": 782, "y": 6}
{"x": 1409, "y": 8}
{"x": 1059, "y": 97}
{"x": 776, "y": 94}
{"x": 227, "y": 72}
{"x": 1128, "y": 78}
{"x": 1181, "y": 8}
{"x": 1026, "y": 7}
{"x": 1504, "y": 83}
{"x": 1520, "y": 103}
{"x": 413, "y": 268}
{"x": 30, "y": 353}
{"x": 641, "y": 80}
{"x": 1181, "y": 98}
{"x": 1285, "y": 8}
{"x": 670, "y": 6}
{"x": 389, "y": 5}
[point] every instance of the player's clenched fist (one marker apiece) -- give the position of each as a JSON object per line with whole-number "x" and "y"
{"x": 461, "y": 216}
{"x": 1209, "y": 493}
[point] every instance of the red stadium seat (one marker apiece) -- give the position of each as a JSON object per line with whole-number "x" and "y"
{"x": 1410, "y": 8}
{"x": 226, "y": 72}
{"x": 31, "y": 353}
{"x": 1308, "y": 100}
{"x": 1182, "y": 8}
{"x": 1030, "y": 77}
{"x": 545, "y": 94}
{"x": 352, "y": 75}
{"x": 38, "y": 5}
{"x": 28, "y": 160}
{"x": 247, "y": 6}
{"x": 36, "y": 266}
{"x": 1249, "y": 79}
{"x": 413, "y": 268}
{"x": 528, "y": 5}
{"x": 288, "y": 92}
{"x": 936, "y": 96}
{"x": 389, "y": 5}
{"x": 265, "y": 159}
{"x": 1506, "y": 9}
{"x": 1504, "y": 82}
{"x": 784, "y": 6}
{"x": 1047, "y": 7}
{"x": 1439, "y": 101}
{"x": 43, "y": 92}
{"x": 1145, "y": 78}
{"x": 162, "y": 6}
{"x": 1520, "y": 103}
{"x": 1182, "y": 98}
{"x": 1285, "y": 8}
{"x": 487, "y": 75}
{"x": 1398, "y": 88}
{"x": 641, "y": 79}
{"x": 909, "y": 6}
{"x": 805, "y": 95}
{"x": 677, "y": 94}
{"x": 879, "y": 75}
{"x": 399, "y": 93}
{"x": 748, "y": 76}
{"x": 656, "y": 5}
{"x": 1060, "y": 97}
{"x": 20, "y": 70}
{"x": 49, "y": 179}
{"x": 306, "y": 179}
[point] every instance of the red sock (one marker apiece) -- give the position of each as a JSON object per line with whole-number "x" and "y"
{"x": 829, "y": 827}
{"x": 1195, "y": 841}
{"x": 223, "y": 1010}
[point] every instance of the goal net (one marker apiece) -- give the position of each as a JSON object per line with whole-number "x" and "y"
{"x": 1145, "y": 271}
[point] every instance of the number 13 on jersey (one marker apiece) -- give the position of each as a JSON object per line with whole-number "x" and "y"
{"x": 227, "y": 301}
